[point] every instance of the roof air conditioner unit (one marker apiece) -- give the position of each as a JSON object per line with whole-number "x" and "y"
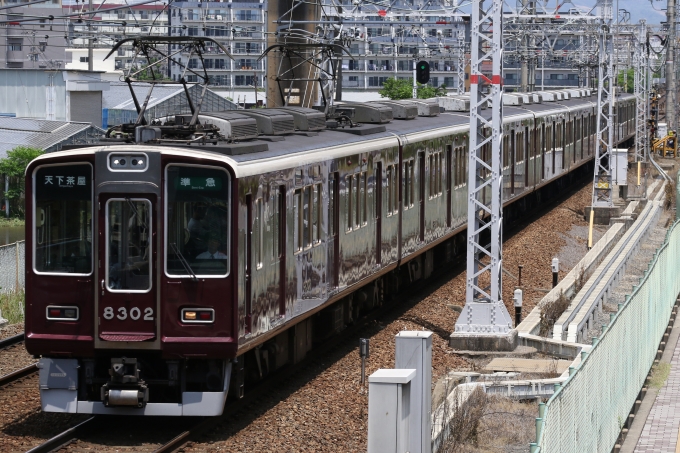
{"x": 401, "y": 109}
{"x": 272, "y": 121}
{"x": 306, "y": 119}
{"x": 369, "y": 113}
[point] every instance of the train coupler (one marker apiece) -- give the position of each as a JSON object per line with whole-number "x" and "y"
{"x": 125, "y": 388}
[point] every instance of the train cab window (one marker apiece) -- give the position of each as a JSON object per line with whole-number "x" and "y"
{"x": 389, "y": 181}
{"x": 62, "y": 226}
{"x": 128, "y": 248}
{"x": 197, "y": 221}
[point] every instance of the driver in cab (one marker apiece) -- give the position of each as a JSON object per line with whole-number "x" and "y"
{"x": 212, "y": 253}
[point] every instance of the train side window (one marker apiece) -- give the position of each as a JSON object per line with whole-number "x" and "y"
{"x": 298, "y": 219}
{"x": 349, "y": 180}
{"x": 395, "y": 190}
{"x": 465, "y": 158}
{"x": 307, "y": 216}
{"x": 407, "y": 185}
{"x": 361, "y": 203}
{"x": 389, "y": 182}
{"x": 331, "y": 204}
{"x": 411, "y": 170}
{"x": 278, "y": 217}
{"x": 357, "y": 200}
{"x": 430, "y": 160}
{"x": 257, "y": 233}
{"x": 63, "y": 219}
{"x": 439, "y": 173}
{"x": 316, "y": 214}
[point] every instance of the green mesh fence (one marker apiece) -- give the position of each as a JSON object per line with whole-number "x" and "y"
{"x": 586, "y": 414}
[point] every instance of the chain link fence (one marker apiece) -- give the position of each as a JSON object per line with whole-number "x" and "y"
{"x": 12, "y": 267}
{"x": 588, "y": 411}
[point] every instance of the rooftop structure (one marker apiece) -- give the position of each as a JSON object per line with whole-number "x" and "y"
{"x": 44, "y": 134}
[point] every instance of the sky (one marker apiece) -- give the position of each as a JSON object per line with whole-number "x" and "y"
{"x": 654, "y": 11}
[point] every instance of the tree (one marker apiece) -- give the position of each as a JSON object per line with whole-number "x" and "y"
{"x": 630, "y": 80}
{"x": 403, "y": 89}
{"x": 13, "y": 167}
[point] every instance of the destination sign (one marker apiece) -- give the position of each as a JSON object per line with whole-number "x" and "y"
{"x": 64, "y": 182}
{"x": 198, "y": 183}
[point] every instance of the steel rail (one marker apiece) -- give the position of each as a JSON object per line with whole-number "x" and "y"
{"x": 60, "y": 440}
{"x": 11, "y": 341}
{"x": 18, "y": 374}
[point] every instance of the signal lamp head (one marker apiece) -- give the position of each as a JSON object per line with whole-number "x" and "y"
{"x": 59, "y": 313}
{"x": 197, "y": 315}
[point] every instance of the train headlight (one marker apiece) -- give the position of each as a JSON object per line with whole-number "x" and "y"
{"x": 198, "y": 315}
{"x": 61, "y": 313}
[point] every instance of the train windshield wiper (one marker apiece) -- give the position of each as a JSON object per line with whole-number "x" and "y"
{"x": 134, "y": 209}
{"x": 184, "y": 262}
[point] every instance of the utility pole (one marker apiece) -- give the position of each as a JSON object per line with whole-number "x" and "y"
{"x": 90, "y": 43}
{"x": 670, "y": 68}
{"x": 484, "y": 314}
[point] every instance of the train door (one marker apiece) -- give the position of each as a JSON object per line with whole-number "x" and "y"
{"x": 421, "y": 193}
{"x": 543, "y": 145}
{"x": 513, "y": 160}
{"x": 449, "y": 176}
{"x": 554, "y": 133}
{"x": 527, "y": 150}
{"x": 279, "y": 246}
{"x": 127, "y": 308}
{"x": 249, "y": 262}
{"x": 333, "y": 227}
{"x": 310, "y": 250}
{"x": 378, "y": 181}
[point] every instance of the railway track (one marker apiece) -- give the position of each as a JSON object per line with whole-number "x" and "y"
{"x": 6, "y": 344}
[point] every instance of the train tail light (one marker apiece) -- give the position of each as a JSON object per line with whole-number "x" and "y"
{"x": 59, "y": 313}
{"x": 198, "y": 315}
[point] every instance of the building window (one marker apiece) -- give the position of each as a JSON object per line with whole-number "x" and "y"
{"x": 84, "y": 59}
{"x": 376, "y": 81}
{"x": 15, "y": 45}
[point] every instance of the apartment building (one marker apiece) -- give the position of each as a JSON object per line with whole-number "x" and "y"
{"x": 29, "y": 38}
{"x": 240, "y": 27}
{"x": 115, "y": 21}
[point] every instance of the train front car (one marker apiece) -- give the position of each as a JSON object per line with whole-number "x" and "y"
{"x": 129, "y": 282}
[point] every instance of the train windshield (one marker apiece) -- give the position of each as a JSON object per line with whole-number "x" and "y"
{"x": 197, "y": 209}
{"x": 63, "y": 219}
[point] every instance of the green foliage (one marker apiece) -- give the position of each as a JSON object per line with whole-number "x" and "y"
{"x": 659, "y": 375}
{"x": 14, "y": 166}
{"x": 403, "y": 89}
{"x": 12, "y": 306}
{"x": 630, "y": 81}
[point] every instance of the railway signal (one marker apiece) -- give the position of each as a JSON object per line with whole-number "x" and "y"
{"x": 423, "y": 72}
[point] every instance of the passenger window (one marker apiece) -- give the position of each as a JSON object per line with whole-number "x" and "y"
{"x": 63, "y": 219}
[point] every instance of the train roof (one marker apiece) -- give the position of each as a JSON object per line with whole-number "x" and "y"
{"x": 297, "y": 148}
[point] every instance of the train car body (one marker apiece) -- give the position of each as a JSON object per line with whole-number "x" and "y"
{"x": 159, "y": 279}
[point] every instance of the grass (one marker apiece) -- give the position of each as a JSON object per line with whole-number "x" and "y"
{"x": 659, "y": 375}
{"x": 490, "y": 424}
{"x": 550, "y": 313}
{"x": 11, "y": 222}
{"x": 12, "y": 306}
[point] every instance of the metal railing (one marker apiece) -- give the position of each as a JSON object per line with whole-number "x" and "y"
{"x": 587, "y": 412}
{"x": 12, "y": 265}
